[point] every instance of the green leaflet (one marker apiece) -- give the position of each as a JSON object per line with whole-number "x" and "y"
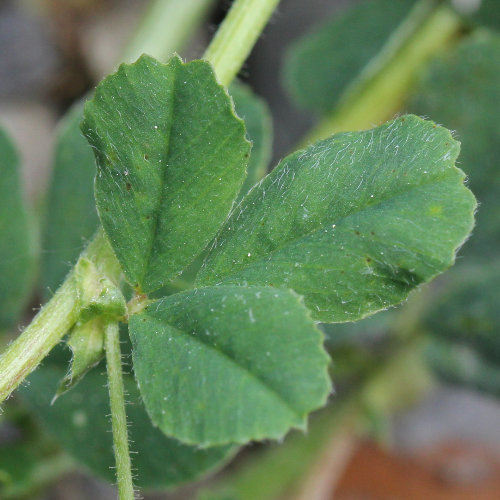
{"x": 353, "y": 223}
{"x": 320, "y": 66}
{"x": 17, "y": 256}
{"x": 229, "y": 364}
{"x": 461, "y": 89}
{"x": 255, "y": 113}
{"x": 79, "y": 421}
{"x": 171, "y": 159}
{"x": 71, "y": 216}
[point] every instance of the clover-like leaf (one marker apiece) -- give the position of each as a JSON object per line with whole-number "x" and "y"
{"x": 353, "y": 223}
{"x": 229, "y": 364}
{"x": 17, "y": 249}
{"x": 171, "y": 157}
{"x": 320, "y": 66}
{"x": 78, "y": 421}
{"x": 71, "y": 216}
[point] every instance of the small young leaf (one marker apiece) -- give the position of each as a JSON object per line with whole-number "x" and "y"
{"x": 87, "y": 344}
{"x": 78, "y": 420}
{"x": 353, "y": 223}
{"x": 255, "y": 113}
{"x": 319, "y": 66}
{"x": 229, "y": 364}
{"x": 17, "y": 259}
{"x": 71, "y": 216}
{"x": 171, "y": 157}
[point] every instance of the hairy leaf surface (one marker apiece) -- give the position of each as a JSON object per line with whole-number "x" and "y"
{"x": 320, "y": 66}
{"x": 229, "y": 364}
{"x": 79, "y": 421}
{"x": 171, "y": 157}
{"x": 16, "y": 243}
{"x": 353, "y": 223}
{"x": 71, "y": 216}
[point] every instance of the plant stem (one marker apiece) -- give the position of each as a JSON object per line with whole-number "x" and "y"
{"x": 165, "y": 28}
{"x": 237, "y": 35}
{"x": 44, "y": 332}
{"x": 118, "y": 416}
{"x": 380, "y": 91}
{"x": 54, "y": 320}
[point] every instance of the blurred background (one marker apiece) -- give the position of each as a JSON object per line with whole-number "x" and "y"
{"x": 443, "y": 440}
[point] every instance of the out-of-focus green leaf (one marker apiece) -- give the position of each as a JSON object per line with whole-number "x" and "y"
{"x": 17, "y": 255}
{"x": 485, "y": 12}
{"x": 71, "y": 216}
{"x": 459, "y": 364}
{"x": 29, "y": 460}
{"x": 467, "y": 308}
{"x": 255, "y": 113}
{"x": 171, "y": 157}
{"x": 353, "y": 223}
{"x": 278, "y": 469}
{"x": 229, "y": 364}
{"x": 79, "y": 421}
{"x": 461, "y": 90}
{"x": 319, "y": 66}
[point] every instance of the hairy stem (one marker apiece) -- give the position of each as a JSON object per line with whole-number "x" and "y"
{"x": 44, "y": 332}
{"x": 165, "y": 28}
{"x": 237, "y": 35}
{"x": 380, "y": 91}
{"x": 118, "y": 416}
{"x": 54, "y": 320}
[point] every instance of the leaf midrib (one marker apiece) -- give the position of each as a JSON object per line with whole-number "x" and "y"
{"x": 319, "y": 228}
{"x": 261, "y": 383}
